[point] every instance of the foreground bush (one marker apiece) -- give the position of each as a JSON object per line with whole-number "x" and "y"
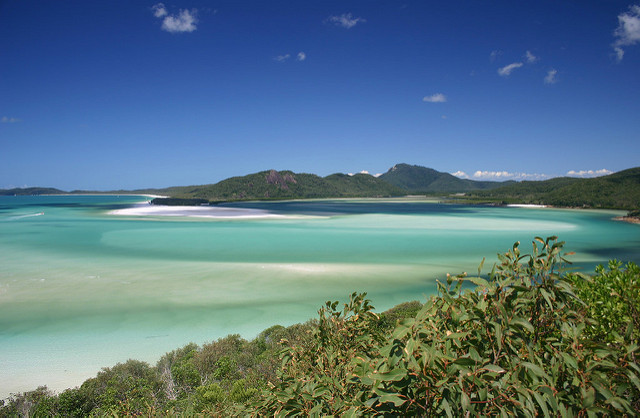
{"x": 516, "y": 345}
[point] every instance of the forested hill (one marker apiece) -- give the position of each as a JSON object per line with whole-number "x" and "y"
{"x": 619, "y": 190}
{"x": 288, "y": 185}
{"x": 418, "y": 179}
{"x": 30, "y": 191}
{"x": 400, "y": 180}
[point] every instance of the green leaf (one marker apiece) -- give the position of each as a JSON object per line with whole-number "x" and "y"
{"x": 350, "y": 413}
{"x": 390, "y": 376}
{"x": 542, "y": 403}
{"x": 535, "y": 369}
{"x": 494, "y": 368}
{"x": 456, "y": 335}
{"x": 465, "y": 361}
{"x": 634, "y": 379}
{"x": 569, "y": 360}
{"x": 466, "y": 402}
{"x": 588, "y": 397}
{"x": 523, "y": 323}
{"x": 393, "y": 398}
{"x": 479, "y": 281}
{"x": 447, "y": 407}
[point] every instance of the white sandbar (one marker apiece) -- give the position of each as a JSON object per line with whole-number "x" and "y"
{"x": 146, "y": 209}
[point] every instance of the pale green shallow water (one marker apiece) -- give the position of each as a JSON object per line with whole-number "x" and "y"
{"x": 81, "y": 289}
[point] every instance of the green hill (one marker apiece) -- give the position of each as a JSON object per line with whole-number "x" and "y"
{"x": 274, "y": 184}
{"x": 620, "y": 190}
{"x": 418, "y": 179}
{"x": 30, "y": 191}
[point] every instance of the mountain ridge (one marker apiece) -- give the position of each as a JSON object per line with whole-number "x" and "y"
{"x": 620, "y": 190}
{"x": 419, "y": 179}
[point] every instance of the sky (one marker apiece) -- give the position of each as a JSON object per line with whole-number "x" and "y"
{"x": 106, "y": 95}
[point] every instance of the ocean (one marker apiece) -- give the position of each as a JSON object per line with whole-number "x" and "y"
{"x": 85, "y": 284}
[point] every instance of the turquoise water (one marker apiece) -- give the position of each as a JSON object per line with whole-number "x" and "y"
{"x": 81, "y": 288}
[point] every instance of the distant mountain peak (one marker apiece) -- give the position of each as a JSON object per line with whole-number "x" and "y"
{"x": 419, "y": 179}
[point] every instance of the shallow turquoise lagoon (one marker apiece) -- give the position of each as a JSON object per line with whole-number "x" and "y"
{"x": 82, "y": 288}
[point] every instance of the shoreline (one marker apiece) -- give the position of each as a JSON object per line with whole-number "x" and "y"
{"x": 627, "y": 219}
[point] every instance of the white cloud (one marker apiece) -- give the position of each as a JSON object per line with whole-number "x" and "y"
{"x": 494, "y": 55}
{"x": 301, "y": 56}
{"x": 530, "y": 57}
{"x": 505, "y": 175}
{"x": 518, "y": 176}
{"x": 365, "y": 172}
{"x": 346, "y": 20}
{"x": 184, "y": 21}
{"x": 551, "y": 77}
{"x": 589, "y": 173}
{"x": 507, "y": 69}
{"x": 628, "y": 31}
{"x": 435, "y": 98}
{"x": 6, "y": 119}
{"x": 159, "y": 10}
{"x": 282, "y": 58}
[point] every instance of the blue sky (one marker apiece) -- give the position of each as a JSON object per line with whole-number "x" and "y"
{"x": 131, "y": 94}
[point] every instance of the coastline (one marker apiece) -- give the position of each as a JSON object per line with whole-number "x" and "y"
{"x": 628, "y": 219}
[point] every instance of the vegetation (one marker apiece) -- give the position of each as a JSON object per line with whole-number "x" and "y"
{"x": 420, "y": 180}
{"x": 529, "y": 339}
{"x": 173, "y": 201}
{"x": 288, "y": 185}
{"x": 29, "y": 191}
{"x": 616, "y": 191}
{"x": 620, "y": 190}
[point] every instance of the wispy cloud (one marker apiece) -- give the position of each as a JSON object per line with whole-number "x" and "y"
{"x": 589, "y": 173}
{"x": 501, "y": 175}
{"x": 494, "y": 55}
{"x": 345, "y": 20}
{"x": 183, "y": 21}
{"x": 628, "y": 31}
{"x": 551, "y": 77}
{"x": 300, "y": 56}
{"x": 6, "y": 119}
{"x": 508, "y": 69}
{"x": 282, "y": 58}
{"x": 530, "y": 57}
{"x": 435, "y": 98}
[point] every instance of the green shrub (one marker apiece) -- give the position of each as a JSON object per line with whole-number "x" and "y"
{"x": 513, "y": 346}
{"x": 612, "y": 299}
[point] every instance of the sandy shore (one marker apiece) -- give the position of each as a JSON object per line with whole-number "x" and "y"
{"x": 629, "y": 219}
